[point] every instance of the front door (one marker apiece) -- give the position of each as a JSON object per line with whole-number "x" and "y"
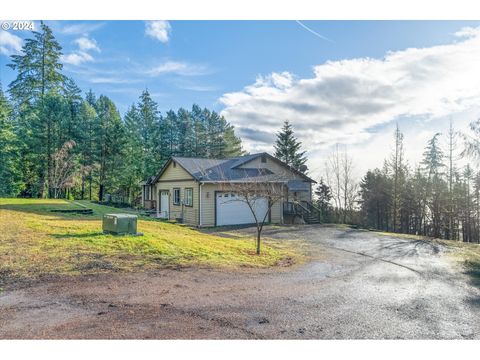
{"x": 164, "y": 204}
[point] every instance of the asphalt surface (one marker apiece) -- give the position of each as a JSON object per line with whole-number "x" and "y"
{"x": 356, "y": 285}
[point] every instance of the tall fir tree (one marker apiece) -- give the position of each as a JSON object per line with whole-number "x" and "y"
{"x": 133, "y": 166}
{"x": 148, "y": 125}
{"x": 10, "y": 176}
{"x": 38, "y": 77}
{"x": 73, "y": 102}
{"x": 109, "y": 140}
{"x": 288, "y": 148}
{"x": 396, "y": 165}
{"x": 324, "y": 197}
{"x": 233, "y": 144}
{"x": 86, "y": 144}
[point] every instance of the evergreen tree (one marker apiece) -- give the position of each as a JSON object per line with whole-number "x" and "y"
{"x": 38, "y": 77}
{"x": 169, "y": 144}
{"x": 148, "y": 127}
{"x": 288, "y": 148}
{"x": 10, "y": 177}
{"x": 215, "y": 128}
{"x": 133, "y": 162}
{"x": 233, "y": 144}
{"x": 185, "y": 133}
{"x": 324, "y": 196}
{"x": 199, "y": 132}
{"x": 73, "y": 100}
{"x": 436, "y": 190}
{"x": 397, "y": 167}
{"x": 38, "y": 68}
{"x": 87, "y": 147}
{"x": 111, "y": 155}
{"x": 375, "y": 199}
{"x": 109, "y": 139}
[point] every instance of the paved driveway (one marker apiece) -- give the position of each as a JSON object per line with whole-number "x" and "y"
{"x": 357, "y": 285}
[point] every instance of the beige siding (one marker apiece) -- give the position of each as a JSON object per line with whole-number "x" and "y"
{"x": 273, "y": 166}
{"x": 276, "y": 213}
{"x": 208, "y": 204}
{"x": 175, "y": 172}
{"x": 177, "y": 177}
{"x": 188, "y": 213}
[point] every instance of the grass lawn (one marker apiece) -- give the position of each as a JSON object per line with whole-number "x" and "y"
{"x": 468, "y": 254}
{"x": 35, "y": 241}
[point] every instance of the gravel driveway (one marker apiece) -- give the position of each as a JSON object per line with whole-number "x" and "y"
{"x": 356, "y": 285}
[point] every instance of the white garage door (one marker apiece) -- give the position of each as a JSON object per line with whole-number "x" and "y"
{"x": 232, "y": 210}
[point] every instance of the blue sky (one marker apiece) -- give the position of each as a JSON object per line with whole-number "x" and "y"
{"x": 231, "y": 66}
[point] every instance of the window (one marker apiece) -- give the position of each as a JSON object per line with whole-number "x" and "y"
{"x": 176, "y": 196}
{"x": 264, "y": 159}
{"x": 174, "y": 164}
{"x": 188, "y": 197}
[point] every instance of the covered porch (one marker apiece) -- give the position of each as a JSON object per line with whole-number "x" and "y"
{"x": 298, "y": 205}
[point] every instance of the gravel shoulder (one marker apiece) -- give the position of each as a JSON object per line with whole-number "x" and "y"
{"x": 356, "y": 285}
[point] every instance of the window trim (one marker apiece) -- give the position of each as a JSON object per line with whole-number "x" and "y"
{"x": 185, "y": 197}
{"x": 179, "y": 196}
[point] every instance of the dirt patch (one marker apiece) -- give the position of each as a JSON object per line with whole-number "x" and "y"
{"x": 95, "y": 265}
{"x": 285, "y": 262}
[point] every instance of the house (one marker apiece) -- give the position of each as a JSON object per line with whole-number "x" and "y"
{"x": 201, "y": 192}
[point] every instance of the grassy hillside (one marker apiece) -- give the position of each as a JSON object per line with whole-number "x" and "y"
{"x": 36, "y": 241}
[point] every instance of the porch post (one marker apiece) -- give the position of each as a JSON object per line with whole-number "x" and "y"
{"x": 158, "y": 201}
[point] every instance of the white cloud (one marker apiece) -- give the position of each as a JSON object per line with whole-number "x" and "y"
{"x": 83, "y": 54}
{"x": 77, "y": 58}
{"x": 178, "y": 68}
{"x": 9, "y": 44}
{"x": 346, "y": 101}
{"x": 111, "y": 80}
{"x": 158, "y": 29}
{"x": 79, "y": 28}
{"x": 86, "y": 44}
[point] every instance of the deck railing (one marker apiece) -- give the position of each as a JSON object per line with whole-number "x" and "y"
{"x": 304, "y": 209}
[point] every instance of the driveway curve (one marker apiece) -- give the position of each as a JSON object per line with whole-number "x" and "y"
{"x": 356, "y": 285}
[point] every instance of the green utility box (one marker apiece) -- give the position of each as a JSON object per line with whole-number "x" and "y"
{"x": 120, "y": 224}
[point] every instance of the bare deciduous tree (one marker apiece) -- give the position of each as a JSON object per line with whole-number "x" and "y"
{"x": 64, "y": 166}
{"x": 340, "y": 178}
{"x": 252, "y": 191}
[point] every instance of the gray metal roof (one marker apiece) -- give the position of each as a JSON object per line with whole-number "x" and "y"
{"x": 217, "y": 170}
{"x": 228, "y": 170}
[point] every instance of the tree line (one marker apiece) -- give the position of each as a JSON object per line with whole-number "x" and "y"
{"x": 57, "y": 142}
{"x": 438, "y": 197}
